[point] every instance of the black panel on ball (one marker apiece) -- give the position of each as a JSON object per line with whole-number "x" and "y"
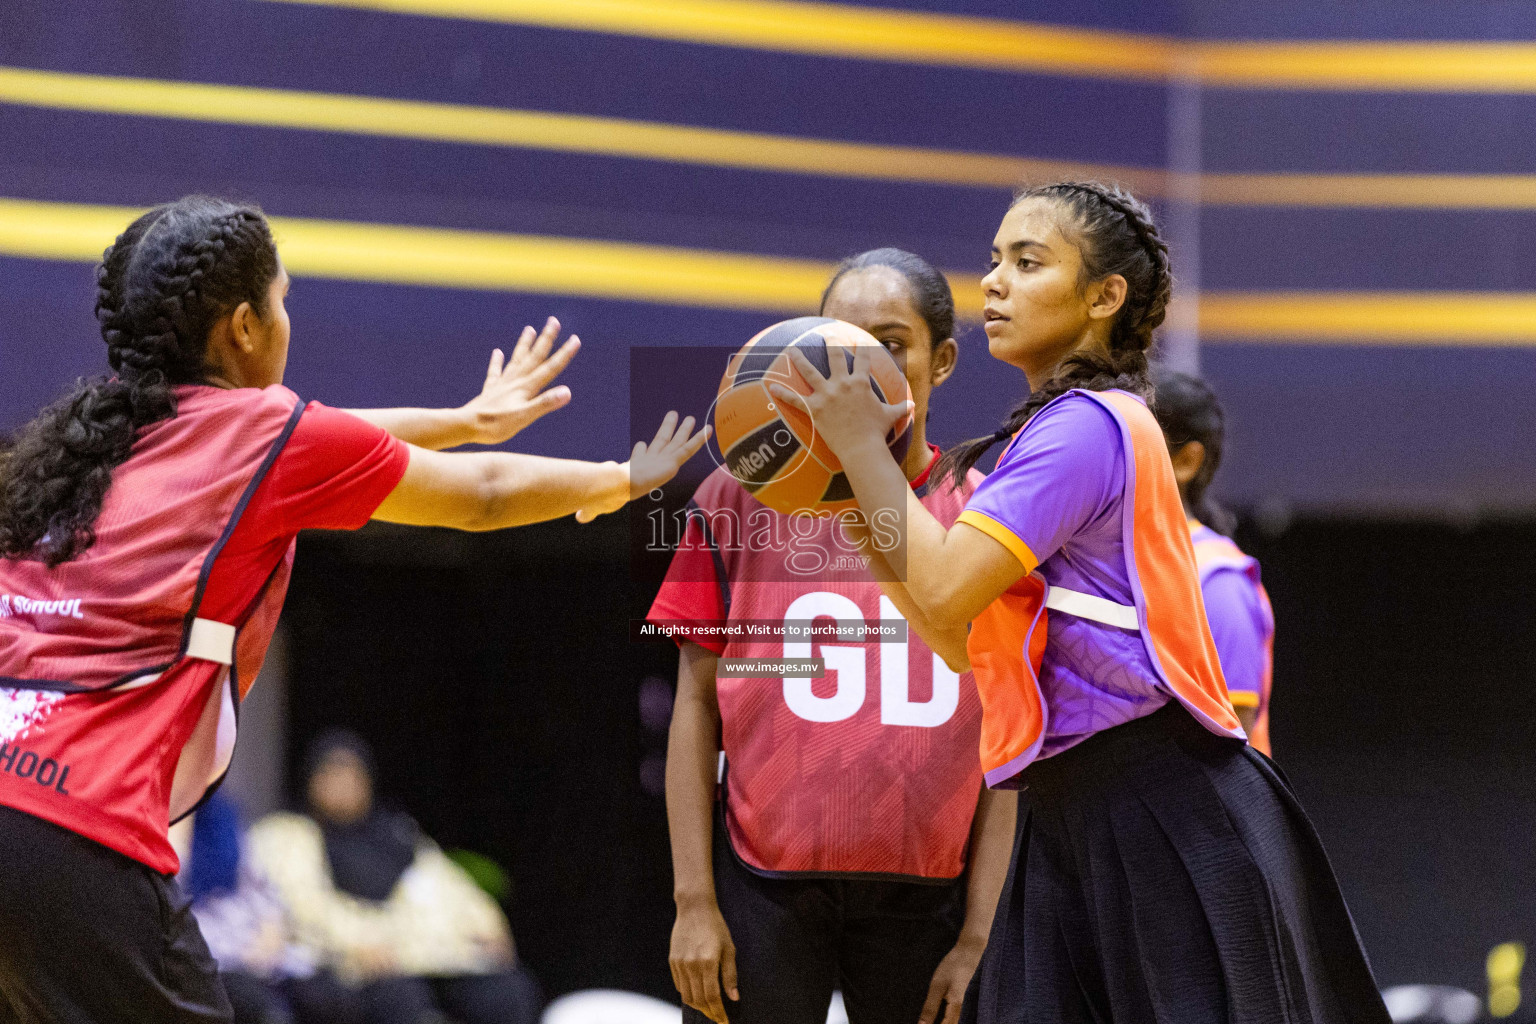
{"x": 779, "y": 337}
{"x": 758, "y": 457}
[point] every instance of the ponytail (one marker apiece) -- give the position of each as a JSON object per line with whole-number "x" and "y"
{"x": 160, "y": 289}
{"x": 1117, "y": 235}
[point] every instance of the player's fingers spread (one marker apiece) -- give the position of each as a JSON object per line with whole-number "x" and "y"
{"x": 494, "y": 370}
{"x": 523, "y": 341}
{"x": 695, "y": 442}
{"x": 837, "y": 361}
{"x": 789, "y": 396}
{"x": 551, "y": 400}
{"x": 562, "y": 357}
{"x": 664, "y": 432}
{"x": 546, "y": 337}
{"x": 954, "y": 1003}
{"x": 683, "y": 435}
{"x": 807, "y": 370}
{"x": 860, "y": 366}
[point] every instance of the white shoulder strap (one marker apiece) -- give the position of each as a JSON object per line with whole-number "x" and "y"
{"x": 212, "y": 641}
{"x": 1086, "y": 606}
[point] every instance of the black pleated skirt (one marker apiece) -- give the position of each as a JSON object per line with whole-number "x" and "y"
{"x": 1164, "y": 874}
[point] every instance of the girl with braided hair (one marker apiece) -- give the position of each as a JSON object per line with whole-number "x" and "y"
{"x": 1163, "y": 871}
{"x": 147, "y": 526}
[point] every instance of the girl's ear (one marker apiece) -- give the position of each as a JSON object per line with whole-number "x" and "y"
{"x": 242, "y": 322}
{"x": 941, "y": 364}
{"x": 1187, "y": 461}
{"x": 1107, "y": 296}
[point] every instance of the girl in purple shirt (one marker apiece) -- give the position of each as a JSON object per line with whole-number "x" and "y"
{"x": 1163, "y": 872}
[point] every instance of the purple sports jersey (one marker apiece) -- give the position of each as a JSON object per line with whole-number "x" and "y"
{"x": 1240, "y": 624}
{"x": 1058, "y": 494}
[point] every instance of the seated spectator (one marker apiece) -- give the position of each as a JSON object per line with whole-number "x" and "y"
{"x": 401, "y": 934}
{"x": 239, "y": 915}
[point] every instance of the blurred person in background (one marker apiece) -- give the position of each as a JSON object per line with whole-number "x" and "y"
{"x": 239, "y": 914}
{"x": 855, "y": 848}
{"x": 401, "y": 934}
{"x": 1242, "y": 621}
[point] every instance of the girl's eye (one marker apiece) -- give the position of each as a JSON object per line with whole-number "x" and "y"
{"x": 992, "y": 264}
{"x": 1025, "y": 263}
{"x": 891, "y": 345}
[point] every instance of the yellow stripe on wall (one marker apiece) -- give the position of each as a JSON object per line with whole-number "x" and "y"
{"x": 841, "y": 30}
{"x": 1387, "y": 318}
{"x": 571, "y": 133}
{"x": 648, "y": 140}
{"x": 484, "y": 260}
{"x": 837, "y": 30}
{"x": 1372, "y": 191}
{"x": 492, "y": 261}
{"x": 1473, "y": 67}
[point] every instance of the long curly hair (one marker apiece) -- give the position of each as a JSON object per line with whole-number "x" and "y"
{"x": 1116, "y": 234}
{"x": 160, "y": 289}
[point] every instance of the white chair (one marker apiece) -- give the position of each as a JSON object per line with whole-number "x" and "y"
{"x": 610, "y": 1006}
{"x": 1432, "y": 1004}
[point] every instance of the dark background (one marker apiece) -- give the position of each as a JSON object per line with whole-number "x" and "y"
{"x": 497, "y": 677}
{"x": 496, "y": 674}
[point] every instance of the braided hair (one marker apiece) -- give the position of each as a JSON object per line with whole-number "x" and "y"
{"x": 931, "y": 296}
{"x": 160, "y": 289}
{"x": 1116, "y": 234}
{"x": 1188, "y": 410}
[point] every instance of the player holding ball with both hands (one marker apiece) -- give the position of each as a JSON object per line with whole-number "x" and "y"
{"x": 1164, "y": 871}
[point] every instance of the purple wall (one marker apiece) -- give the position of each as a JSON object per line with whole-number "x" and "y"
{"x": 1335, "y": 427}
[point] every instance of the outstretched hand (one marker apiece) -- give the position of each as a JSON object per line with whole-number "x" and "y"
{"x": 514, "y": 395}
{"x": 845, "y": 412}
{"x": 651, "y": 465}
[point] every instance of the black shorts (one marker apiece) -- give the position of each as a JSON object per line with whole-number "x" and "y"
{"x": 799, "y": 938}
{"x": 89, "y": 936}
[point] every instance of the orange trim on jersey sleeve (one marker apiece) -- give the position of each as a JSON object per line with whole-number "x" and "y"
{"x": 1004, "y": 536}
{"x": 1243, "y": 698}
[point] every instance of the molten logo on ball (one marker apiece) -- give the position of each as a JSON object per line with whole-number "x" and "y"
{"x": 772, "y": 448}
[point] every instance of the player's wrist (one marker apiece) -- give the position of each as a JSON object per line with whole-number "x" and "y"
{"x": 695, "y": 900}
{"x": 972, "y": 940}
{"x": 476, "y": 426}
{"x": 864, "y": 450}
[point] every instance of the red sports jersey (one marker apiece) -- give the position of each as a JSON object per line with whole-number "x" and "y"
{"x": 871, "y": 769}
{"x": 114, "y": 713}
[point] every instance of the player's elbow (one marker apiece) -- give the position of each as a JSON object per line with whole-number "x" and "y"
{"x": 958, "y": 662}
{"x": 945, "y": 609}
{"x": 490, "y": 495}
